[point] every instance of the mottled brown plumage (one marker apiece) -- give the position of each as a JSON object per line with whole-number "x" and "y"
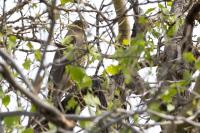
{"x": 58, "y": 77}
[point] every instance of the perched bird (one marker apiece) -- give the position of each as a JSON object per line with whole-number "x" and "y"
{"x": 76, "y": 38}
{"x": 62, "y": 85}
{"x": 72, "y": 51}
{"x": 59, "y": 80}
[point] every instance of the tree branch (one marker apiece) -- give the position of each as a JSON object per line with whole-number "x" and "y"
{"x": 51, "y": 113}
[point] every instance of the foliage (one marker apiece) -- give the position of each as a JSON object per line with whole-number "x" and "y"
{"x": 112, "y": 84}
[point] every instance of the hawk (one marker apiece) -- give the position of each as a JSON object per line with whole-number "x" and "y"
{"x": 58, "y": 76}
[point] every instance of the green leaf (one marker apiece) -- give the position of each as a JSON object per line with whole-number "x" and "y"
{"x": 28, "y": 130}
{"x": 112, "y": 69}
{"x": 38, "y": 55}
{"x": 34, "y": 5}
{"x": 170, "y": 107}
{"x": 52, "y": 128}
{"x": 138, "y": 46}
{"x": 6, "y": 100}
{"x": 169, "y": 3}
{"x": 11, "y": 42}
{"x": 33, "y": 108}
{"x": 71, "y": 104}
{"x": 12, "y": 39}
{"x": 78, "y": 109}
{"x": 187, "y": 76}
{"x": 86, "y": 82}
{"x": 128, "y": 77}
{"x": 142, "y": 20}
{"x": 141, "y": 43}
{"x": 171, "y": 31}
{"x": 189, "y": 57}
{"x": 86, "y": 124}
{"x": 197, "y": 65}
{"x": 29, "y": 45}
{"x": 1, "y": 92}
{"x": 91, "y": 100}
{"x": 164, "y": 10}
{"x": 160, "y": 6}
{"x": 76, "y": 73}
{"x": 155, "y": 33}
{"x": 154, "y": 106}
{"x": 63, "y": 2}
{"x": 11, "y": 121}
{"x": 168, "y": 95}
{"x": 126, "y": 130}
{"x": 190, "y": 112}
{"x": 67, "y": 40}
{"x": 126, "y": 42}
{"x": 136, "y": 118}
{"x": 95, "y": 55}
{"x": 149, "y": 10}
{"x": 27, "y": 64}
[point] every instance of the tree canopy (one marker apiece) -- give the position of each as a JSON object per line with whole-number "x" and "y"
{"x": 131, "y": 64}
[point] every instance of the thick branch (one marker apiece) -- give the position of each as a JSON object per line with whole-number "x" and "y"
{"x": 123, "y": 24}
{"x": 12, "y": 63}
{"x": 51, "y": 113}
{"x": 19, "y": 113}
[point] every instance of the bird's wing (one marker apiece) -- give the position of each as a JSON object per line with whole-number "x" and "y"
{"x": 58, "y": 69}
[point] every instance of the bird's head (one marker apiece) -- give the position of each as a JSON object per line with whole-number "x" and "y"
{"x": 79, "y": 25}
